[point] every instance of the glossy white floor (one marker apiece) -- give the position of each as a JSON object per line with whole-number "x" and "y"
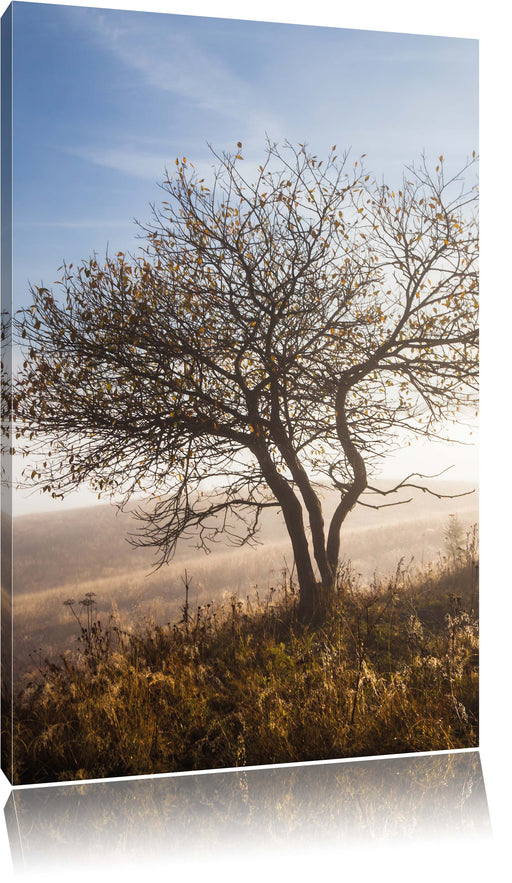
{"x": 403, "y": 815}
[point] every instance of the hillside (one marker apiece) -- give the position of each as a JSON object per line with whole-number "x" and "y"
{"x": 65, "y": 555}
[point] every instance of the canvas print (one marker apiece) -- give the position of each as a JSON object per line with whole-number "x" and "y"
{"x": 239, "y": 393}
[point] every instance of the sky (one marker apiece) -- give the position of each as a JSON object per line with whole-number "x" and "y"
{"x": 104, "y": 100}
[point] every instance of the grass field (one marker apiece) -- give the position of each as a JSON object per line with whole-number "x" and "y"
{"x": 392, "y": 669}
{"x": 65, "y": 556}
{"x": 133, "y": 681}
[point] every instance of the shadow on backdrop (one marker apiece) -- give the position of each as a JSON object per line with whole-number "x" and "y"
{"x": 331, "y": 805}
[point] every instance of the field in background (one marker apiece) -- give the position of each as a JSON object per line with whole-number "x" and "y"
{"x": 64, "y": 556}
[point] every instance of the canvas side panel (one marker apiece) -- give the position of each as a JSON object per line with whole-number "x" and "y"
{"x": 7, "y": 441}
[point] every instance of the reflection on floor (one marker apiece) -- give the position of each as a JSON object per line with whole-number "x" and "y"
{"x": 410, "y": 798}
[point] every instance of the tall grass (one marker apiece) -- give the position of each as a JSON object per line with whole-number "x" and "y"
{"x": 393, "y": 668}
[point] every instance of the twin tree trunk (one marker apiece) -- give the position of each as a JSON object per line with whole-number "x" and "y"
{"x": 314, "y": 595}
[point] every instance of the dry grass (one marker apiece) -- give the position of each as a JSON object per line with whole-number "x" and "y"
{"x": 394, "y": 668}
{"x": 66, "y": 556}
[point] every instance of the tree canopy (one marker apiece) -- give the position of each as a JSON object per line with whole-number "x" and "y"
{"x": 280, "y": 330}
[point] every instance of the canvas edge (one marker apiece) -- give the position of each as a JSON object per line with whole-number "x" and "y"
{"x": 7, "y": 429}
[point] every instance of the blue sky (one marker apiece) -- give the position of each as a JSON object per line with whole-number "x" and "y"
{"x": 103, "y": 100}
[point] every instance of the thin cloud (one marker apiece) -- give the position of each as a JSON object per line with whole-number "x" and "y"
{"x": 130, "y": 161}
{"x": 170, "y": 60}
{"x": 74, "y": 225}
{"x": 160, "y": 55}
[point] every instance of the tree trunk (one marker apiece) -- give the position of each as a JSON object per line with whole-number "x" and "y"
{"x": 303, "y": 482}
{"x": 309, "y": 594}
{"x": 359, "y": 483}
{"x": 293, "y": 516}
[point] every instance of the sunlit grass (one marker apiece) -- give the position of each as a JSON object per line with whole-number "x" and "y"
{"x": 104, "y": 563}
{"x": 393, "y": 668}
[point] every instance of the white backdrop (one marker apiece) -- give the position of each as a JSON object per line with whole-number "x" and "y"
{"x": 487, "y": 21}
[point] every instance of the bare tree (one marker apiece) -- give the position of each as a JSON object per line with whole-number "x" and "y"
{"x": 269, "y": 338}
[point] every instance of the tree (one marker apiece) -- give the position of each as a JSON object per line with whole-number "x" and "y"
{"x": 269, "y": 338}
{"x": 454, "y": 539}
